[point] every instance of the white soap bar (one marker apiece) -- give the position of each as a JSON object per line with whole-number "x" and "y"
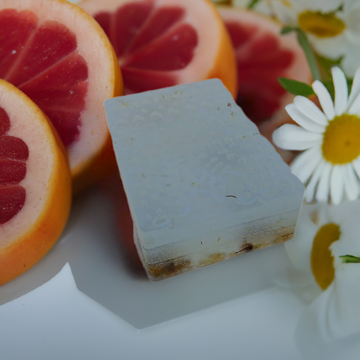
{"x": 202, "y": 184}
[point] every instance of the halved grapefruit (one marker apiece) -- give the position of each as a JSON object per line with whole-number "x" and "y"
{"x": 263, "y": 55}
{"x": 60, "y": 57}
{"x": 35, "y": 183}
{"x": 162, "y": 43}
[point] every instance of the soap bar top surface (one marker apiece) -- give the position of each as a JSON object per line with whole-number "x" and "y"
{"x": 191, "y": 162}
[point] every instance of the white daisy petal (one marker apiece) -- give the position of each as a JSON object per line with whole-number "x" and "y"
{"x": 303, "y": 120}
{"x": 285, "y": 14}
{"x": 292, "y": 137}
{"x": 343, "y": 306}
{"x": 337, "y": 184}
{"x": 355, "y": 89}
{"x": 324, "y": 99}
{"x": 299, "y": 248}
{"x": 356, "y": 165}
{"x": 350, "y": 61}
{"x": 310, "y": 110}
{"x": 332, "y": 47}
{"x": 347, "y": 214}
{"x": 335, "y": 313}
{"x": 310, "y": 187}
{"x": 323, "y": 190}
{"x": 341, "y": 90}
{"x": 305, "y": 163}
{"x": 346, "y": 211}
{"x": 313, "y": 324}
{"x": 354, "y": 108}
{"x": 351, "y": 184}
{"x": 351, "y": 15}
{"x": 350, "y": 6}
{"x": 324, "y": 6}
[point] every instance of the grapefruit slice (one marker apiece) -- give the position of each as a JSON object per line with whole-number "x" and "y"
{"x": 163, "y": 43}
{"x": 263, "y": 55}
{"x": 35, "y": 183}
{"x": 60, "y": 57}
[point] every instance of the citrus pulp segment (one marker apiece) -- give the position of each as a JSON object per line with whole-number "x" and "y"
{"x": 60, "y": 57}
{"x": 35, "y": 183}
{"x": 163, "y": 43}
{"x": 263, "y": 55}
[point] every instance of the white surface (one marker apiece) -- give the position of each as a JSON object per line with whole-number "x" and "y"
{"x": 225, "y": 311}
{"x": 98, "y": 258}
{"x": 56, "y": 321}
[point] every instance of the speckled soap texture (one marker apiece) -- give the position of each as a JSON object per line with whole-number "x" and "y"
{"x": 202, "y": 184}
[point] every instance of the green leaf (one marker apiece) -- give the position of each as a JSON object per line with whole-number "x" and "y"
{"x": 350, "y": 259}
{"x": 253, "y": 3}
{"x": 287, "y": 29}
{"x": 296, "y": 87}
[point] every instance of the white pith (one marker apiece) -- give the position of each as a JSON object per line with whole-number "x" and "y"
{"x": 25, "y": 125}
{"x": 94, "y": 130}
{"x": 198, "y": 14}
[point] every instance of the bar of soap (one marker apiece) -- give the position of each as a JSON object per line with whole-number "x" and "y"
{"x": 202, "y": 184}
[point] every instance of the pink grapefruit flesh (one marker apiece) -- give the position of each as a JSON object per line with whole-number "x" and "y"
{"x": 35, "y": 183}
{"x": 58, "y": 55}
{"x": 162, "y": 43}
{"x": 263, "y": 55}
{"x": 13, "y": 155}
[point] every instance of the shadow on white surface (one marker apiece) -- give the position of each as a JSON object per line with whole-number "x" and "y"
{"x": 56, "y": 321}
{"x": 91, "y": 245}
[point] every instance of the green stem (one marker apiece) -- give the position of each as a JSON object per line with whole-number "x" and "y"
{"x": 304, "y": 43}
{"x": 350, "y": 259}
{"x": 310, "y": 56}
{"x": 224, "y": 2}
{"x": 253, "y": 3}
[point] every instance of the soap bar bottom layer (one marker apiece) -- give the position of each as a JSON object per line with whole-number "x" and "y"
{"x": 172, "y": 267}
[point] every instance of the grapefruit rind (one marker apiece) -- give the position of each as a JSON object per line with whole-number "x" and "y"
{"x": 104, "y": 81}
{"x": 29, "y": 235}
{"x": 213, "y": 56}
{"x": 102, "y": 162}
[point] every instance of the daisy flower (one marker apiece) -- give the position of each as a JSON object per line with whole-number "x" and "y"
{"x": 325, "y": 248}
{"x": 331, "y": 25}
{"x": 330, "y": 164}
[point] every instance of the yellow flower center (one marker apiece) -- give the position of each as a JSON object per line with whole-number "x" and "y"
{"x": 341, "y": 143}
{"x": 321, "y": 25}
{"x": 321, "y": 259}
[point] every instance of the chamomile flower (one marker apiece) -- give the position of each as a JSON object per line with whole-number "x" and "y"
{"x": 331, "y": 25}
{"x": 326, "y": 238}
{"x": 330, "y": 164}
